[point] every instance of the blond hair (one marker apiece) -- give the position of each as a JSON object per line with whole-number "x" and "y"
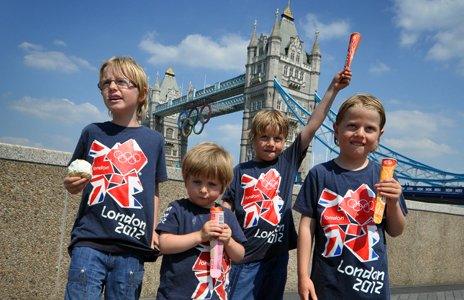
{"x": 128, "y": 67}
{"x": 274, "y": 119}
{"x": 208, "y": 160}
{"x": 361, "y": 100}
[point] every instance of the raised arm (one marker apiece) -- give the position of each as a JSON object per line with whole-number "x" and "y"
{"x": 339, "y": 82}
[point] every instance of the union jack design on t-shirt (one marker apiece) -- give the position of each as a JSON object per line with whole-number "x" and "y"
{"x": 261, "y": 198}
{"x": 207, "y": 285}
{"x": 115, "y": 172}
{"x": 348, "y": 222}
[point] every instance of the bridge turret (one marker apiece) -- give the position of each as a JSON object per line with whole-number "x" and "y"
{"x": 314, "y": 60}
{"x": 252, "y": 53}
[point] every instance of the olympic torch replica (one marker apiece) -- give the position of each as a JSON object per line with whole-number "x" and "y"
{"x": 355, "y": 39}
{"x": 386, "y": 172}
{"x": 216, "y": 246}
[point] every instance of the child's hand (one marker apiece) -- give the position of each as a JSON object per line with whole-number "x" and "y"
{"x": 306, "y": 289}
{"x": 341, "y": 80}
{"x": 155, "y": 241}
{"x": 210, "y": 230}
{"x": 391, "y": 189}
{"x": 225, "y": 234}
{"x": 75, "y": 185}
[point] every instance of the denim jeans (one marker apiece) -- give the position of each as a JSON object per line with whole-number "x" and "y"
{"x": 93, "y": 273}
{"x": 264, "y": 279}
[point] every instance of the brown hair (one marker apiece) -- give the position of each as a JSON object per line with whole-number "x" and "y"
{"x": 128, "y": 67}
{"x": 363, "y": 100}
{"x": 275, "y": 119}
{"x": 209, "y": 160}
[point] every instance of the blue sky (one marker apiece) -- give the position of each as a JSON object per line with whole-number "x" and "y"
{"x": 411, "y": 57}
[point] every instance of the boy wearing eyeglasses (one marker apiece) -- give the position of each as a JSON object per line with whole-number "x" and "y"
{"x": 113, "y": 234}
{"x": 261, "y": 197}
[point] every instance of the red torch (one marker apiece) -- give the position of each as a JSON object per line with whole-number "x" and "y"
{"x": 355, "y": 39}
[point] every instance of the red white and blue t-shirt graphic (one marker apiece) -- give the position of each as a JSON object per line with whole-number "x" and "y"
{"x": 116, "y": 173}
{"x": 347, "y": 222}
{"x": 261, "y": 200}
{"x": 207, "y": 286}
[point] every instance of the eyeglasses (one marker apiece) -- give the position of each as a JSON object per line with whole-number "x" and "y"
{"x": 120, "y": 82}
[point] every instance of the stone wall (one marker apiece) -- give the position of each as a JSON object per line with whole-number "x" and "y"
{"x": 36, "y": 216}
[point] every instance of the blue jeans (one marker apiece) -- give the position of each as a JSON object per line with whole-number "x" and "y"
{"x": 264, "y": 279}
{"x": 92, "y": 273}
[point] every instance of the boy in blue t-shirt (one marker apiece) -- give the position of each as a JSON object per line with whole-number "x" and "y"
{"x": 337, "y": 203}
{"x": 261, "y": 197}
{"x": 186, "y": 230}
{"x": 113, "y": 234}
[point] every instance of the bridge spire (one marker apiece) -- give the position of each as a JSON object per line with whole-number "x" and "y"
{"x": 288, "y": 12}
{"x": 276, "y": 29}
{"x": 253, "y": 40}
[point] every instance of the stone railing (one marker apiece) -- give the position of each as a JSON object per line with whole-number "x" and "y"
{"x": 37, "y": 214}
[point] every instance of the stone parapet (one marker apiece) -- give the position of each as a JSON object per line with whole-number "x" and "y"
{"x": 37, "y": 214}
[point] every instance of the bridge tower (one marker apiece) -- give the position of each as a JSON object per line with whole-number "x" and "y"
{"x": 281, "y": 55}
{"x": 176, "y": 145}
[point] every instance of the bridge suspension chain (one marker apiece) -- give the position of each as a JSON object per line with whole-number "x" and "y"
{"x": 409, "y": 171}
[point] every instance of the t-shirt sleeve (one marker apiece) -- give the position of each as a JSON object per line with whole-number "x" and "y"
{"x": 307, "y": 197}
{"x": 294, "y": 153}
{"x": 161, "y": 173}
{"x": 170, "y": 222}
{"x": 237, "y": 232}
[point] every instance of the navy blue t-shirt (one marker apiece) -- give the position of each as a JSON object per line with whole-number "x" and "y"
{"x": 261, "y": 196}
{"x": 350, "y": 253}
{"x": 116, "y": 210}
{"x": 185, "y": 275}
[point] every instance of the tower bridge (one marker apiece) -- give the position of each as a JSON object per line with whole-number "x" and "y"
{"x": 279, "y": 74}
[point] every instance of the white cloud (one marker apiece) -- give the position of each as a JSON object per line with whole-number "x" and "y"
{"x": 418, "y": 134}
{"x": 196, "y": 50}
{"x": 30, "y": 46}
{"x": 20, "y": 141}
{"x": 420, "y": 148}
{"x": 59, "y": 43}
{"x": 59, "y": 110}
{"x": 334, "y": 30}
{"x": 379, "y": 68}
{"x": 230, "y": 131}
{"x": 37, "y": 57}
{"x": 404, "y": 122}
{"x": 437, "y": 24}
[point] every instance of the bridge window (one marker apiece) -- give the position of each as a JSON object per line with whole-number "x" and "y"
{"x": 298, "y": 57}
{"x": 292, "y": 55}
{"x": 279, "y": 104}
{"x": 285, "y": 70}
{"x": 169, "y": 133}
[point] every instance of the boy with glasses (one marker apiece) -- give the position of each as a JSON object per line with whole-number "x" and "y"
{"x": 113, "y": 234}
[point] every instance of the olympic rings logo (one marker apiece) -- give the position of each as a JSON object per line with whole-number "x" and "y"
{"x": 194, "y": 120}
{"x": 362, "y": 204}
{"x": 127, "y": 157}
{"x": 268, "y": 184}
